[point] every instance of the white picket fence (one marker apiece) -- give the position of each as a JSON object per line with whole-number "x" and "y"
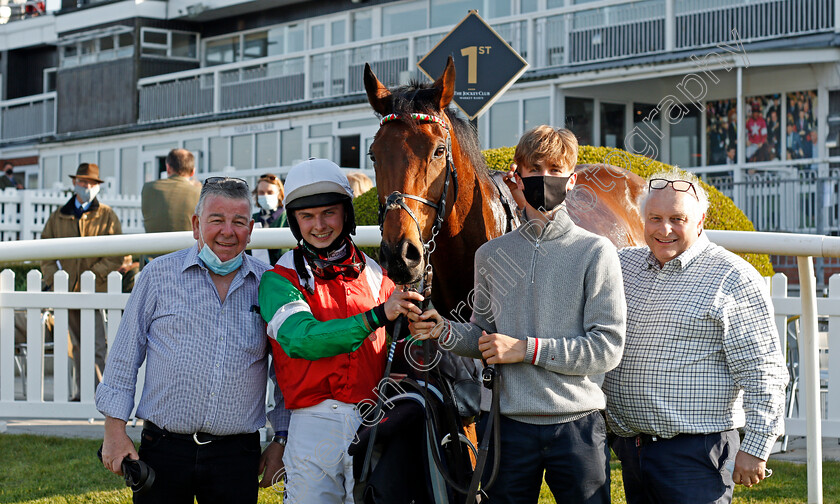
{"x": 817, "y": 413}
{"x": 24, "y": 213}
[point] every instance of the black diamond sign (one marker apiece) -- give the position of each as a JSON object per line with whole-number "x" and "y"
{"x": 485, "y": 65}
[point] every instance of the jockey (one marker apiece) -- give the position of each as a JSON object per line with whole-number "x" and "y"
{"x": 326, "y": 304}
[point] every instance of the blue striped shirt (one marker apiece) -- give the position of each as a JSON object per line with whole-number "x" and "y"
{"x": 206, "y": 361}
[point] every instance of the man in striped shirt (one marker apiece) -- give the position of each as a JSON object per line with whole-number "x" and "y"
{"x": 702, "y": 359}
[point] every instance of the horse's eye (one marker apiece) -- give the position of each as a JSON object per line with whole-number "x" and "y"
{"x": 371, "y": 156}
{"x": 440, "y": 151}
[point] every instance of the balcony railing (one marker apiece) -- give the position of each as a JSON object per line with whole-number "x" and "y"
{"x": 803, "y": 198}
{"x": 28, "y": 117}
{"x": 573, "y": 35}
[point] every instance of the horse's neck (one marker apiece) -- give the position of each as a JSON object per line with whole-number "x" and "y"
{"x": 472, "y": 223}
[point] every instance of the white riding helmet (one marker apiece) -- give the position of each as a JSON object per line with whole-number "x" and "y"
{"x": 315, "y": 183}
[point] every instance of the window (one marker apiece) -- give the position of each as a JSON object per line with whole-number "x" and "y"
{"x": 87, "y": 157}
{"x": 107, "y": 168}
{"x": 98, "y": 46}
{"x": 580, "y": 118}
{"x": 291, "y": 146}
{"x": 612, "y": 125}
{"x": 448, "y": 12}
{"x": 184, "y": 45}
{"x": 68, "y": 167}
{"x": 320, "y": 130}
{"x": 504, "y": 124}
{"x": 255, "y": 45}
{"x": 319, "y": 150}
{"x": 526, "y": 6}
{"x": 218, "y": 153}
{"x": 537, "y": 112}
{"x": 242, "y": 149}
{"x": 362, "y": 25}
{"x": 318, "y": 36}
{"x": 267, "y": 150}
{"x": 404, "y": 18}
{"x": 51, "y": 172}
{"x": 220, "y": 51}
{"x": 497, "y": 8}
{"x": 128, "y": 171}
{"x": 338, "y": 31}
{"x": 168, "y": 43}
{"x": 106, "y": 43}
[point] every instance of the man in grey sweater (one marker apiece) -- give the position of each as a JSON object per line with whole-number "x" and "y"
{"x": 548, "y": 304}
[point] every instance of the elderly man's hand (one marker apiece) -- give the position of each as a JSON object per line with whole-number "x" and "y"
{"x": 749, "y": 470}
{"x": 271, "y": 465}
{"x": 116, "y": 445}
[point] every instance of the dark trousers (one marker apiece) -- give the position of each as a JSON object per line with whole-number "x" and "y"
{"x": 686, "y": 469}
{"x": 222, "y": 471}
{"x": 574, "y": 457}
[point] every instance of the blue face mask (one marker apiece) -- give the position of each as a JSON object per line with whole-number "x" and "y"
{"x": 216, "y": 265}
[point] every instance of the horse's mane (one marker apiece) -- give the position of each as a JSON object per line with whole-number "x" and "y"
{"x": 419, "y": 97}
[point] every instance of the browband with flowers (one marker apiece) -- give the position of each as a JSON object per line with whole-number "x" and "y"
{"x": 417, "y": 117}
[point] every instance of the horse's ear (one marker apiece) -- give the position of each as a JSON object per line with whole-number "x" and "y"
{"x": 378, "y": 95}
{"x": 445, "y": 85}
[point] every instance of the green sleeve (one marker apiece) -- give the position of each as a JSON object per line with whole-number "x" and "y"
{"x": 301, "y": 335}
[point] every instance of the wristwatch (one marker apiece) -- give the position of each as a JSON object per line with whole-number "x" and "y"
{"x": 280, "y": 438}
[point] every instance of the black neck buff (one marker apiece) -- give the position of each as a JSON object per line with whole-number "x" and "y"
{"x": 545, "y": 193}
{"x": 345, "y": 260}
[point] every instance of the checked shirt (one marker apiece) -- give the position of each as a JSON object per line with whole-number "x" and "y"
{"x": 702, "y": 353}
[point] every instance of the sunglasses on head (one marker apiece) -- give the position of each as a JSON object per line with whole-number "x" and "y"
{"x": 678, "y": 185}
{"x": 268, "y": 176}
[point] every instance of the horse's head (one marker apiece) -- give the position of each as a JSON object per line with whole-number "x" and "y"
{"x": 415, "y": 176}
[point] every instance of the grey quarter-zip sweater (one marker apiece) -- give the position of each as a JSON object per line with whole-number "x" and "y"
{"x": 561, "y": 290}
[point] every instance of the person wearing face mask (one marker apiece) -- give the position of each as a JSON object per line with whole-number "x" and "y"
{"x": 269, "y": 197}
{"x": 552, "y": 321}
{"x": 83, "y": 215}
{"x": 327, "y": 306}
{"x": 8, "y": 179}
{"x": 193, "y": 318}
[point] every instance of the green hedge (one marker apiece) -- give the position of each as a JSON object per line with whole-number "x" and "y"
{"x": 722, "y": 214}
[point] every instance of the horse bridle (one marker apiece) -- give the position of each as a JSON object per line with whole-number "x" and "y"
{"x": 397, "y": 199}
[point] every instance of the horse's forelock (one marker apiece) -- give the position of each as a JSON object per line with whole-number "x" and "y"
{"x": 417, "y": 97}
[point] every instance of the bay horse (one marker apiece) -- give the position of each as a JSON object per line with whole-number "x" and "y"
{"x": 434, "y": 188}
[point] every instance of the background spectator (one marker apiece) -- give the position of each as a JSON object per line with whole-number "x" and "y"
{"x": 83, "y": 215}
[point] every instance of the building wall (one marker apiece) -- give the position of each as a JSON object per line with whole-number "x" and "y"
{"x": 97, "y": 96}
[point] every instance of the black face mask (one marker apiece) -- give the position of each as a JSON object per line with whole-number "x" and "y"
{"x": 10, "y": 172}
{"x": 545, "y": 193}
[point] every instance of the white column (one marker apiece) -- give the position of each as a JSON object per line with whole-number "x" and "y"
{"x": 670, "y": 26}
{"x": 558, "y": 106}
{"x": 810, "y": 371}
{"x": 738, "y": 172}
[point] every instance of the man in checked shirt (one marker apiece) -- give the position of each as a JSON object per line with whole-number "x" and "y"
{"x": 702, "y": 359}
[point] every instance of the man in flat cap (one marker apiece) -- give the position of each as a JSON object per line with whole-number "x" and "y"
{"x": 83, "y": 215}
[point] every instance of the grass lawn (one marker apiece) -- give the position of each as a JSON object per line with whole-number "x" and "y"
{"x": 39, "y": 469}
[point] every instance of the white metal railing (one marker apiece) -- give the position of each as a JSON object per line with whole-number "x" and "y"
{"x": 25, "y": 212}
{"x": 788, "y": 199}
{"x": 707, "y": 23}
{"x": 28, "y": 117}
{"x": 575, "y": 34}
{"x": 816, "y": 419}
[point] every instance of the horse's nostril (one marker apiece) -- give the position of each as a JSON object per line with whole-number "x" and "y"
{"x": 410, "y": 253}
